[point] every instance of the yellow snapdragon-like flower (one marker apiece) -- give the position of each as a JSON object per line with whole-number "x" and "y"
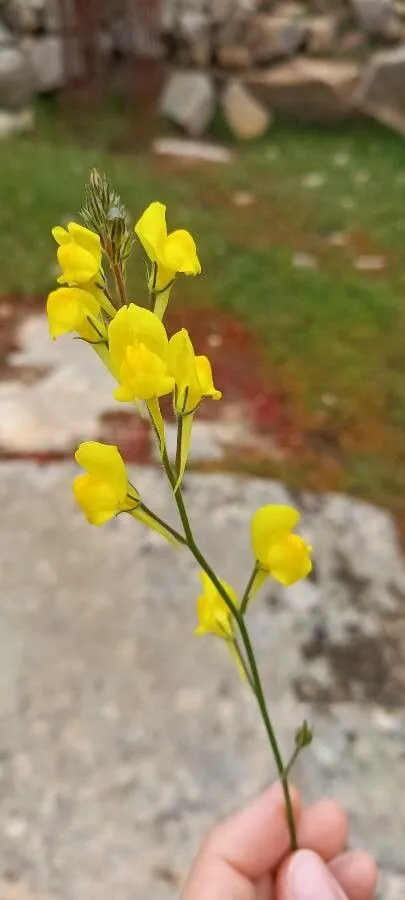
{"x": 74, "y": 309}
{"x": 170, "y": 253}
{"x": 104, "y": 491}
{"x": 79, "y": 254}
{"x": 193, "y": 377}
{"x": 278, "y": 552}
{"x": 139, "y": 351}
{"x": 213, "y": 614}
{"x": 192, "y": 374}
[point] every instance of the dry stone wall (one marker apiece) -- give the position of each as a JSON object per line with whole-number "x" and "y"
{"x": 259, "y": 60}
{"x": 313, "y": 60}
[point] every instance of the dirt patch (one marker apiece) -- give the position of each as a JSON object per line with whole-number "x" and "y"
{"x": 14, "y": 309}
{"x": 240, "y": 370}
{"x": 131, "y": 434}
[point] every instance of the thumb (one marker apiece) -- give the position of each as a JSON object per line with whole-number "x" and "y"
{"x": 305, "y": 876}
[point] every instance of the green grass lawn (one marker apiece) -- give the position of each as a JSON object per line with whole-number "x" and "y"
{"x": 333, "y": 336}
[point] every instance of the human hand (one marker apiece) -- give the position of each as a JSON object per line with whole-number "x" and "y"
{"x": 247, "y": 858}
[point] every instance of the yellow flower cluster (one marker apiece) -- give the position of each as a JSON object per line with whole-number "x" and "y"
{"x": 132, "y": 340}
{"x": 147, "y": 365}
{"x": 277, "y": 552}
{"x": 77, "y": 306}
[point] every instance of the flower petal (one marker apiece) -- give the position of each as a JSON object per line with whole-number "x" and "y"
{"x": 289, "y": 560}
{"x": 204, "y": 372}
{"x": 67, "y": 308}
{"x": 105, "y": 462}
{"x": 180, "y": 253}
{"x": 77, "y": 264}
{"x": 61, "y": 235}
{"x": 96, "y": 498}
{"x": 135, "y": 324}
{"x": 269, "y": 524}
{"x": 182, "y": 361}
{"x": 86, "y": 239}
{"x": 152, "y": 231}
{"x": 212, "y": 612}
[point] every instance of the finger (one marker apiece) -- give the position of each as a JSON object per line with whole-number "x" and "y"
{"x": 264, "y": 888}
{"x": 356, "y": 873}
{"x": 323, "y": 828}
{"x": 305, "y": 876}
{"x": 243, "y": 849}
{"x": 255, "y": 840}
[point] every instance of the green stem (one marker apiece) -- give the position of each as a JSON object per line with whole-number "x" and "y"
{"x": 120, "y": 282}
{"x": 255, "y": 676}
{"x": 176, "y": 534}
{"x": 259, "y": 693}
{"x": 152, "y": 290}
{"x": 243, "y": 664}
{"x": 292, "y": 761}
{"x": 246, "y": 595}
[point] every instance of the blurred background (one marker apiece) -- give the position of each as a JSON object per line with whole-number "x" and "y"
{"x": 275, "y": 132}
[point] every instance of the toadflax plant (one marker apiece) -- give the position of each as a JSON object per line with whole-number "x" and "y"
{"x": 146, "y": 364}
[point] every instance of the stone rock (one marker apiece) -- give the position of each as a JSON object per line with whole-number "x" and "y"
{"x": 194, "y": 29}
{"x": 133, "y": 739}
{"x": 275, "y": 36}
{"x": 221, "y": 10}
{"x": 200, "y": 50}
{"x": 58, "y": 410}
{"x": 52, "y": 14}
{"x": 15, "y": 122}
{"x": 198, "y": 151}
{"x": 15, "y": 78}
{"x": 188, "y": 100}
{"x": 352, "y": 43}
{"x": 46, "y": 56}
{"x": 321, "y": 34}
{"x": 23, "y": 15}
{"x": 234, "y": 56}
{"x": 374, "y": 15}
{"x": 307, "y": 89}
{"x": 192, "y": 23}
{"x": 7, "y": 37}
{"x": 246, "y": 116}
{"x": 18, "y": 890}
{"x": 381, "y": 93}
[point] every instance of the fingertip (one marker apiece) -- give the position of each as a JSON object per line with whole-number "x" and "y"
{"x": 254, "y": 840}
{"x": 357, "y": 874}
{"x": 324, "y": 828}
{"x": 305, "y": 876}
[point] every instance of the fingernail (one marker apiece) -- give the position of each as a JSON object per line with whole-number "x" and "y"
{"x": 309, "y": 879}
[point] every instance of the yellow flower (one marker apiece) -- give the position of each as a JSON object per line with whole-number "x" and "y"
{"x": 139, "y": 351}
{"x": 170, "y": 253}
{"x": 192, "y": 374}
{"x": 278, "y": 552}
{"x": 104, "y": 490}
{"x": 79, "y": 254}
{"x": 70, "y": 308}
{"x": 214, "y": 616}
{"x": 193, "y": 377}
